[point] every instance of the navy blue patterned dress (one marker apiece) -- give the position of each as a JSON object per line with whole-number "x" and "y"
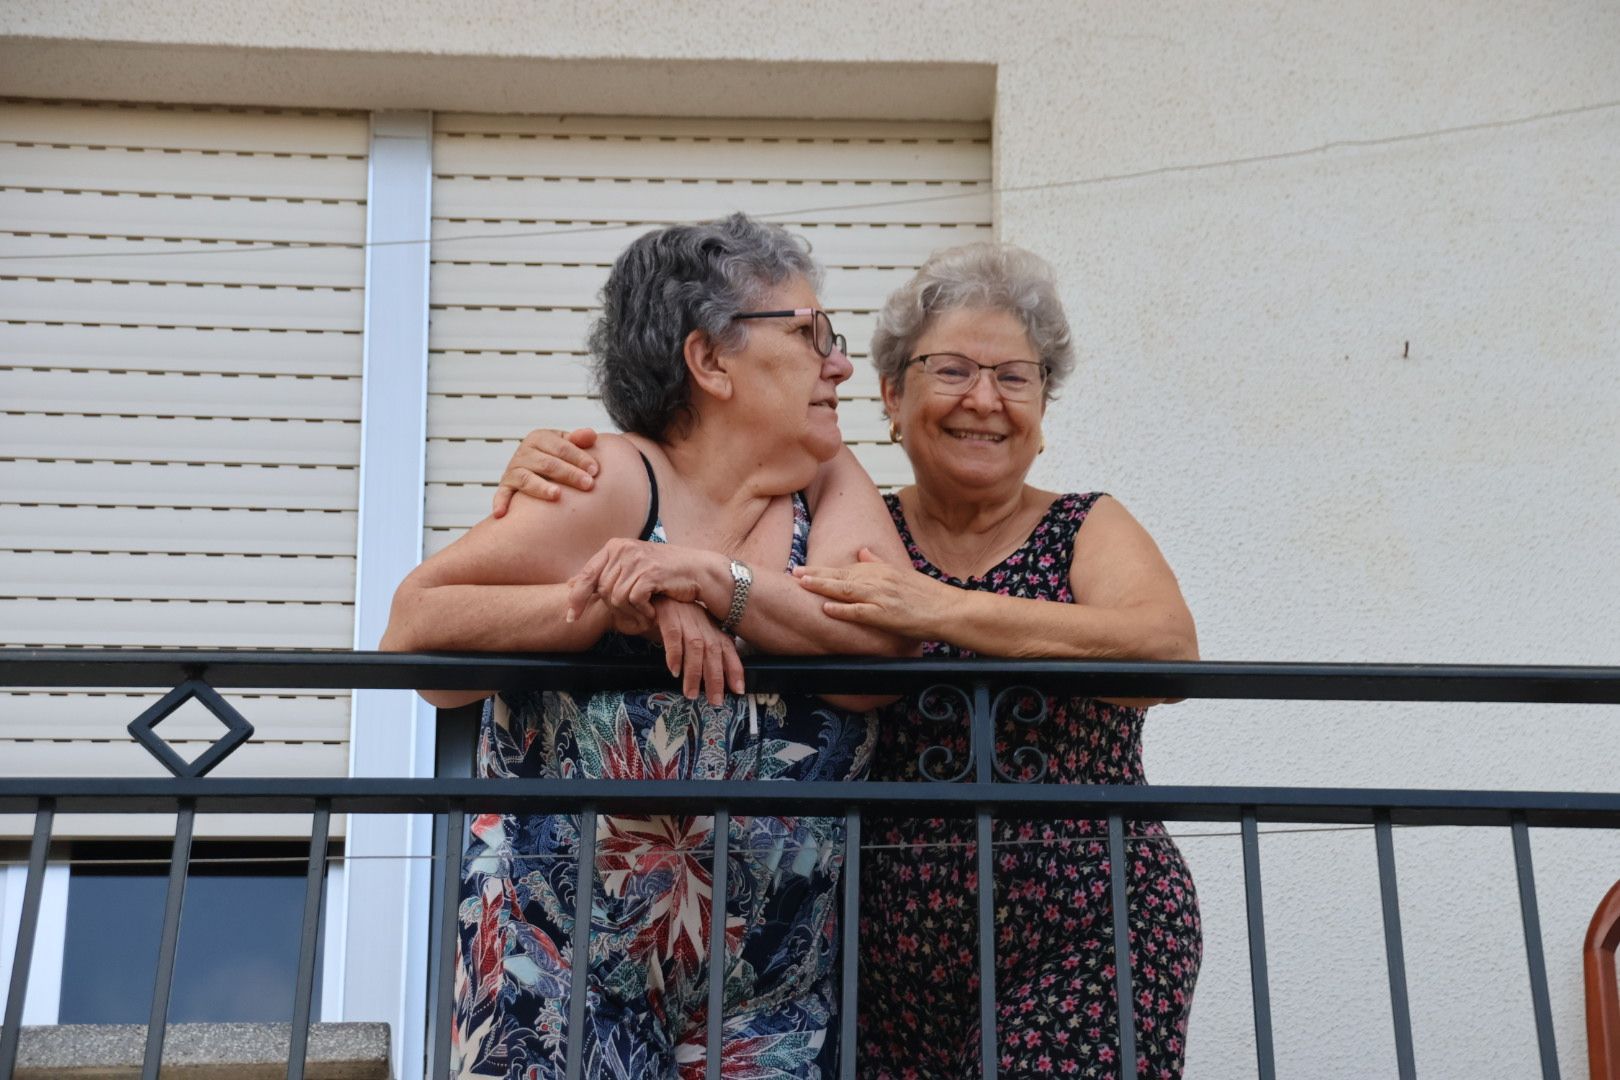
{"x": 649, "y": 972}
{"x": 1056, "y": 1010}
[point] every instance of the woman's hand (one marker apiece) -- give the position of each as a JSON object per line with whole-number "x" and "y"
{"x": 696, "y": 652}
{"x": 547, "y": 455}
{"x": 874, "y": 593}
{"x": 628, "y": 575}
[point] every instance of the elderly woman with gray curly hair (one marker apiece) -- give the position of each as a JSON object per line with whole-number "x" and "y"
{"x": 715, "y": 358}
{"x": 969, "y": 353}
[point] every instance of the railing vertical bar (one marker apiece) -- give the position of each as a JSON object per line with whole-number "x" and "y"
{"x": 717, "y": 941}
{"x": 1260, "y": 980}
{"x": 579, "y": 948}
{"x": 1394, "y": 951}
{"x": 988, "y": 1063}
{"x": 848, "y": 1000}
{"x": 179, "y": 866}
{"x": 23, "y": 956}
{"x": 1122, "y": 946}
{"x": 314, "y": 888}
{"x": 983, "y": 751}
{"x": 450, "y": 830}
{"x": 1545, "y": 1038}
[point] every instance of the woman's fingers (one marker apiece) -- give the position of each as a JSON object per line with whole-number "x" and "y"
{"x": 547, "y": 454}
{"x": 582, "y": 586}
{"x": 669, "y": 625}
{"x": 866, "y": 614}
{"x": 834, "y": 587}
{"x": 714, "y": 671}
{"x": 733, "y": 664}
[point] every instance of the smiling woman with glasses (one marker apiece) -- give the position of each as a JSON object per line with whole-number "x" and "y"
{"x": 969, "y": 352}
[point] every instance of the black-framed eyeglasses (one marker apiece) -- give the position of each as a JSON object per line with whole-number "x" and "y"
{"x": 957, "y": 375}
{"x": 822, "y": 335}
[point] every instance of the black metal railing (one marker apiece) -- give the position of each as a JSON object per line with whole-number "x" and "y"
{"x": 983, "y": 786}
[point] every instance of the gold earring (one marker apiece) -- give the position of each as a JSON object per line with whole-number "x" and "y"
{"x": 894, "y": 433}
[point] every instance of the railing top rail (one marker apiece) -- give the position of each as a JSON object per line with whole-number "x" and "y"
{"x": 1553, "y": 809}
{"x": 344, "y": 669}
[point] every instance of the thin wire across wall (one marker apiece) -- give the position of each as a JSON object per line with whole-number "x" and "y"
{"x": 980, "y": 189}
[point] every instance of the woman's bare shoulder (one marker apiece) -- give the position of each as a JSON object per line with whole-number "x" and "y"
{"x": 615, "y": 505}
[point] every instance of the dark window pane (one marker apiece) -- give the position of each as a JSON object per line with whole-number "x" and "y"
{"x": 239, "y": 934}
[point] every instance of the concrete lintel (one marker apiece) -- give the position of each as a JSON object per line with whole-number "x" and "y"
{"x": 306, "y": 78}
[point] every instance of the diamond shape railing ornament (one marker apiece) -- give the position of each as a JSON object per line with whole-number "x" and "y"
{"x": 237, "y": 730}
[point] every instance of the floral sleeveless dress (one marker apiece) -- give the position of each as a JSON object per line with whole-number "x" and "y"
{"x": 1056, "y": 1012}
{"x": 648, "y": 981}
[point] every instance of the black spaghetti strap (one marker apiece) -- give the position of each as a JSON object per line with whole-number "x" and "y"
{"x": 652, "y": 500}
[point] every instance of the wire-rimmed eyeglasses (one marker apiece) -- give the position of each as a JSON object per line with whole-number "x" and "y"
{"x": 957, "y": 375}
{"x": 822, "y": 335}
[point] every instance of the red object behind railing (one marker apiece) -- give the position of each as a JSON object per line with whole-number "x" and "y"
{"x": 1602, "y": 996}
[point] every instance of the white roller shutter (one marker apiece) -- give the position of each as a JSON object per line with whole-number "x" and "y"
{"x": 179, "y": 410}
{"x": 529, "y": 212}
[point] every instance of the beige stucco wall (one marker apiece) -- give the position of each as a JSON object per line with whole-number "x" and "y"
{"x": 1365, "y": 396}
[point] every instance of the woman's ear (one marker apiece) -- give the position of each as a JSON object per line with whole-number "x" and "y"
{"x": 891, "y": 395}
{"x": 707, "y": 365}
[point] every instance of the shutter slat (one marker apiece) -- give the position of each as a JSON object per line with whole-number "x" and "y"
{"x": 182, "y": 395}
{"x": 644, "y": 200}
{"x": 275, "y": 716}
{"x": 211, "y": 624}
{"x": 106, "y": 483}
{"x": 78, "y": 575}
{"x": 545, "y": 240}
{"x": 655, "y": 129}
{"x": 147, "y": 304}
{"x": 203, "y": 532}
{"x": 161, "y": 172}
{"x": 180, "y": 349}
{"x": 144, "y": 438}
{"x": 166, "y": 216}
{"x": 744, "y": 159}
{"x": 157, "y": 260}
{"x": 128, "y": 758}
{"x": 109, "y": 124}
{"x": 502, "y": 373}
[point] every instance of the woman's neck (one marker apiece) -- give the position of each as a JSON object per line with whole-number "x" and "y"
{"x": 726, "y": 482}
{"x": 966, "y": 536}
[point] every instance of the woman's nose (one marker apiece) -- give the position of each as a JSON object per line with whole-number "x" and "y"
{"x": 838, "y": 367}
{"x": 983, "y": 397}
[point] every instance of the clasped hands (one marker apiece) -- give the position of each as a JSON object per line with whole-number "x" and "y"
{"x": 657, "y": 591}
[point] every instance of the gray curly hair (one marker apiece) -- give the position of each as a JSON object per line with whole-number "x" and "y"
{"x": 668, "y": 283}
{"x": 987, "y": 275}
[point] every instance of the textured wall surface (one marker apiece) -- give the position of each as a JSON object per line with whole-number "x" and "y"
{"x": 1357, "y": 370}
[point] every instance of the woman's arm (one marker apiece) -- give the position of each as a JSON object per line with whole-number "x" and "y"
{"x": 780, "y": 617}
{"x": 499, "y": 588}
{"x": 1127, "y": 603}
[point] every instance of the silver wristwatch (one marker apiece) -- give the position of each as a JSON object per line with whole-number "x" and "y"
{"x": 742, "y": 579}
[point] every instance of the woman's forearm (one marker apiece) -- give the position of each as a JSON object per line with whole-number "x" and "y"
{"x": 783, "y": 618}
{"x": 488, "y": 618}
{"x": 996, "y": 625}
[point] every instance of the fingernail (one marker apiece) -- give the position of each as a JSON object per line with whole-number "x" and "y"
{"x": 591, "y": 468}
{"x": 569, "y": 616}
{"x": 588, "y": 483}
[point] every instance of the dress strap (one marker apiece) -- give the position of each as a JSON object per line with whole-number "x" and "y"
{"x": 652, "y": 500}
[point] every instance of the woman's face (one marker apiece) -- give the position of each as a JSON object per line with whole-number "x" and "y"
{"x": 976, "y": 444}
{"x": 784, "y": 382}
